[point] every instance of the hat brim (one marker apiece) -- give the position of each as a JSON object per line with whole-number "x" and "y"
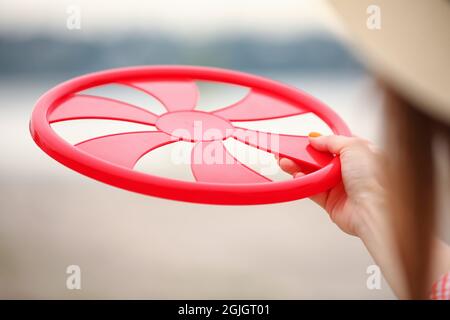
{"x": 408, "y": 47}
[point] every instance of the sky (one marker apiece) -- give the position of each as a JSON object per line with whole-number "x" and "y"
{"x": 193, "y": 18}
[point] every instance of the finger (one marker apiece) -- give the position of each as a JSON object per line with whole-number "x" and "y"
{"x": 289, "y": 166}
{"x": 333, "y": 144}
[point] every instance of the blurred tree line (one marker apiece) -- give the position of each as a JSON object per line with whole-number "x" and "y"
{"x": 48, "y": 55}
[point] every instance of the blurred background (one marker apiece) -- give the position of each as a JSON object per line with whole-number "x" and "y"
{"x": 134, "y": 246}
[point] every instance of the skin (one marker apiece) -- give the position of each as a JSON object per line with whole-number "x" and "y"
{"x": 345, "y": 202}
{"x": 357, "y": 205}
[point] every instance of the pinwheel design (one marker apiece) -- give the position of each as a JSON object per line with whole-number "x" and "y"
{"x": 111, "y": 158}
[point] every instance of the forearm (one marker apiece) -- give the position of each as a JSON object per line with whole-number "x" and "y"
{"x": 376, "y": 235}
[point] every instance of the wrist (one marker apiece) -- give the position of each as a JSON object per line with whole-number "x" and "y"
{"x": 372, "y": 217}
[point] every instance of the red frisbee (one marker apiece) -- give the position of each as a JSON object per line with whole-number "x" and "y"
{"x": 222, "y": 180}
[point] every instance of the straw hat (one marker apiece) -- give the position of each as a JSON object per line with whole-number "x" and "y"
{"x": 407, "y": 44}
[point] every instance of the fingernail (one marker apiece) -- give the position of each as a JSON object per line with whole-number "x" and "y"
{"x": 314, "y": 134}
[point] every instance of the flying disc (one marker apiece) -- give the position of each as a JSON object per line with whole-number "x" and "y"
{"x": 222, "y": 180}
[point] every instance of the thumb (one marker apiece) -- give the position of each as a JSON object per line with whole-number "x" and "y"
{"x": 333, "y": 144}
